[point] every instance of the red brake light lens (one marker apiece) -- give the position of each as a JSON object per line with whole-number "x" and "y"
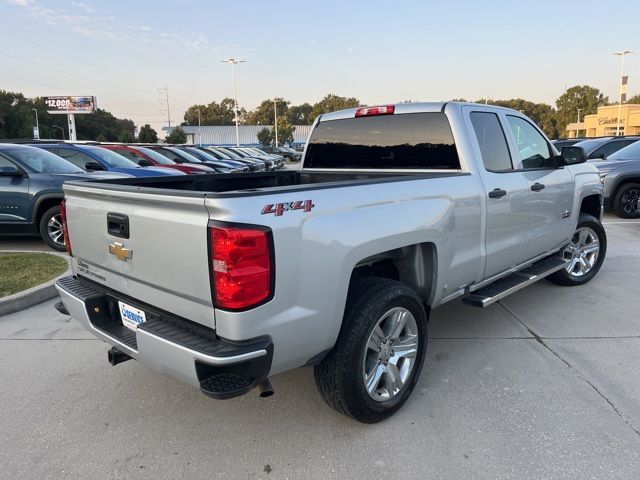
{"x": 241, "y": 267}
{"x": 65, "y": 229}
{"x": 372, "y": 111}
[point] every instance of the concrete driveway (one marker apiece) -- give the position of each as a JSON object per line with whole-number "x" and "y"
{"x": 545, "y": 384}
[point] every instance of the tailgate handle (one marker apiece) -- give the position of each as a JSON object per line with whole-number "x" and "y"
{"x": 118, "y": 225}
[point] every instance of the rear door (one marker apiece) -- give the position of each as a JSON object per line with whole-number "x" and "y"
{"x": 507, "y": 191}
{"x": 552, "y": 189}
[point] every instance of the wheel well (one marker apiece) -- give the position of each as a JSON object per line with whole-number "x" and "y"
{"x": 591, "y": 205}
{"x": 43, "y": 206}
{"x": 414, "y": 265}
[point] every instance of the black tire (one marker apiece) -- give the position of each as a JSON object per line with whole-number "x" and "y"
{"x": 340, "y": 376}
{"x": 563, "y": 277}
{"x": 54, "y": 241}
{"x": 624, "y": 205}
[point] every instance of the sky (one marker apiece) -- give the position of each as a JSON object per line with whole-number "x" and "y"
{"x": 124, "y": 52}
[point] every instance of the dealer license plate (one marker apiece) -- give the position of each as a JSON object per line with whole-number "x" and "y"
{"x": 131, "y": 317}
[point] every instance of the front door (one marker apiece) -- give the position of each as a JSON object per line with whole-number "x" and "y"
{"x": 552, "y": 188}
{"x": 14, "y": 193}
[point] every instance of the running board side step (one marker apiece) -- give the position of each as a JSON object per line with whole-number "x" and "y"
{"x": 516, "y": 281}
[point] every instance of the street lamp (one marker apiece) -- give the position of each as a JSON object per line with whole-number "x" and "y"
{"x": 61, "y": 129}
{"x": 621, "y": 55}
{"x": 233, "y": 63}
{"x": 275, "y": 120}
{"x": 37, "y": 124}
{"x": 578, "y": 126}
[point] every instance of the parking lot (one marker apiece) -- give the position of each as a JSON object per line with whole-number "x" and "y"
{"x": 544, "y": 384}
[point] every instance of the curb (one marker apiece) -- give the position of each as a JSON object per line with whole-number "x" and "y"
{"x": 32, "y": 296}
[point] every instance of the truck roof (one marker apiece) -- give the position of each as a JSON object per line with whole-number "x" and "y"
{"x": 411, "y": 107}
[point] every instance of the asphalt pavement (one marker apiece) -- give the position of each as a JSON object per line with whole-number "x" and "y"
{"x": 544, "y": 384}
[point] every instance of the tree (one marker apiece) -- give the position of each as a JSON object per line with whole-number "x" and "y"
{"x": 265, "y": 137}
{"x": 148, "y": 134}
{"x": 541, "y": 113}
{"x": 300, "y": 114}
{"x": 177, "y": 135}
{"x": 285, "y": 131}
{"x": 331, "y": 103}
{"x": 634, "y": 100}
{"x": 582, "y": 97}
{"x": 264, "y": 114}
{"x": 213, "y": 114}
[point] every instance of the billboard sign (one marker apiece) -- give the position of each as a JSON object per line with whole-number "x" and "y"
{"x": 68, "y": 104}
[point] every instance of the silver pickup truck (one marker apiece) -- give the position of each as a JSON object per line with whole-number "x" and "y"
{"x": 224, "y": 280}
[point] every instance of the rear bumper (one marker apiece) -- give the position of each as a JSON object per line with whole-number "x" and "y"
{"x": 175, "y": 346}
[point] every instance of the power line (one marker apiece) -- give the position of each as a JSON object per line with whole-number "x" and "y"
{"x": 74, "y": 75}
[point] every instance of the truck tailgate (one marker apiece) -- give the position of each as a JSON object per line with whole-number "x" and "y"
{"x": 166, "y": 245}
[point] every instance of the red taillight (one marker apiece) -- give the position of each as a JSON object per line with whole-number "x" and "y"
{"x": 379, "y": 110}
{"x": 241, "y": 267}
{"x": 65, "y": 229}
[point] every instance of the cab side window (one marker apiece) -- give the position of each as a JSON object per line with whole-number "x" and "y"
{"x": 79, "y": 159}
{"x": 532, "y": 146}
{"x": 492, "y": 142}
{"x": 7, "y": 167}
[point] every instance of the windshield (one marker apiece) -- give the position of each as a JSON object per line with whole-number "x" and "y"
{"x": 229, "y": 153}
{"x": 631, "y": 152}
{"x": 110, "y": 158}
{"x": 186, "y": 156}
{"x": 41, "y": 161}
{"x": 590, "y": 145}
{"x": 202, "y": 155}
{"x": 154, "y": 155}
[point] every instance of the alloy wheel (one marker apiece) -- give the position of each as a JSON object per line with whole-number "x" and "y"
{"x": 630, "y": 201}
{"x": 54, "y": 229}
{"x": 390, "y": 354}
{"x": 582, "y": 252}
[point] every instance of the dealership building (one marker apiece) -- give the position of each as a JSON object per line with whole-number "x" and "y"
{"x": 605, "y": 122}
{"x": 226, "y": 134}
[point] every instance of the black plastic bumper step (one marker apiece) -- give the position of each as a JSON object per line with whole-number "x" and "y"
{"x": 514, "y": 282}
{"x": 225, "y": 384}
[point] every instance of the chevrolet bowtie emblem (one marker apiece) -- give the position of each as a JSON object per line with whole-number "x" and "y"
{"x": 120, "y": 251}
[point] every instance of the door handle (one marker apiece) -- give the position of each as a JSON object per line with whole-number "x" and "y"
{"x": 497, "y": 193}
{"x": 536, "y": 187}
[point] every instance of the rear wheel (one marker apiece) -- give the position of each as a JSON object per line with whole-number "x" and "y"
{"x": 626, "y": 203}
{"x": 584, "y": 253}
{"x": 377, "y": 359}
{"x": 51, "y": 229}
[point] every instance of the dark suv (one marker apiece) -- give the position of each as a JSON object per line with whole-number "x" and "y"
{"x": 31, "y": 191}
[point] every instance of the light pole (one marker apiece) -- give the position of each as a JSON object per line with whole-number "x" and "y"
{"x": 199, "y": 131}
{"x": 621, "y": 55}
{"x": 578, "y": 126}
{"x": 275, "y": 120}
{"x": 37, "y": 124}
{"x": 233, "y": 63}
{"x": 61, "y": 129}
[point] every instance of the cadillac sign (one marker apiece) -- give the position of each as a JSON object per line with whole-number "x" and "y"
{"x": 84, "y": 104}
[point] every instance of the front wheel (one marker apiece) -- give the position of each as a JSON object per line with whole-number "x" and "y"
{"x": 51, "y": 229}
{"x": 626, "y": 203}
{"x": 377, "y": 359}
{"x": 584, "y": 254}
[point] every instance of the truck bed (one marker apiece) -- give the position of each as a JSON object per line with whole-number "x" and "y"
{"x": 262, "y": 183}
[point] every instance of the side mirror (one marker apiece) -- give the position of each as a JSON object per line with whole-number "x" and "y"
{"x": 143, "y": 162}
{"x": 573, "y": 155}
{"x": 93, "y": 166}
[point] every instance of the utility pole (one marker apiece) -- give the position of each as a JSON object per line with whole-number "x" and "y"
{"x": 275, "y": 119}
{"x": 199, "y": 131}
{"x": 233, "y": 63}
{"x": 577, "y": 127}
{"x": 36, "y": 133}
{"x": 165, "y": 101}
{"x": 621, "y": 55}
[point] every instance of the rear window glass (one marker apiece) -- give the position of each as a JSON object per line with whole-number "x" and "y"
{"x": 405, "y": 141}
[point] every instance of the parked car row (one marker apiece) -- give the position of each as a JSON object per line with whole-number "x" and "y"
{"x": 618, "y": 161}
{"x": 31, "y": 175}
